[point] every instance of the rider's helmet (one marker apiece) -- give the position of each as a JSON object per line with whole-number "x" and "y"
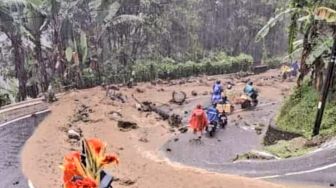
{"x": 218, "y": 82}
{"x": 250, "y": 83}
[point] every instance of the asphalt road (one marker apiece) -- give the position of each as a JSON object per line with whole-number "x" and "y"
{"x": 217, "y": 154}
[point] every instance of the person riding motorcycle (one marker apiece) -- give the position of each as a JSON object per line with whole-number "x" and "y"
{"x": 217, "y": 92}
{"x": 215, "y": 119}
{"x": 251, "y": 92}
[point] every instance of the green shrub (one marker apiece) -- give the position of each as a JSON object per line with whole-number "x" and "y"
{"x": 298, "y": 113}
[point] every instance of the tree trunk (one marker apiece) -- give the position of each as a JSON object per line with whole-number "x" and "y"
{"x": 42, "y": 67}
{"x": 304, "y": 68}
{"x": 20, "y": 71}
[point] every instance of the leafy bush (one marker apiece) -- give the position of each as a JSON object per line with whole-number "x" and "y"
{"x": 274, "y": 62}
{"x": 218, "y": 63}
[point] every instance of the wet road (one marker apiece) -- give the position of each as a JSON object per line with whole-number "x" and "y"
{"x": 13, "y": 136}
{"x": 216, "y": 154}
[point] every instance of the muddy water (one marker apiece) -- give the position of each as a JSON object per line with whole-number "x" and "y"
{"x": 12, "y": 138}
{"x": 239, "y": 136}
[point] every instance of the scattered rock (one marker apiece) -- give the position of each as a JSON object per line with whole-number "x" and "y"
{"x": 114, "y": 115}
{"x": 176, "y": 139}
{"x": 82, "y": 113}
{"x": 181, "y": 82}
{"x": 245, "y": 80}
{"x": 161, "y": 90}
{"x": 175, "y": 120}
{"x": 246, "y": 124}
{"x": 74, "y": 135}
{"x": 127, "y": 182}
{"x": 205, "y": 93}
{"x": 258, "y": 130}
{"x": 183, "y": 129}
{"x": 139, "y": 90}
{"x": 126, "y": 125}
{"x": 194, "y": 93}
{"x": 178, "y": 97}
{"x": 168, "y": 150}
{"x": 172, "y": 130}
{"x": 144, "y": 140}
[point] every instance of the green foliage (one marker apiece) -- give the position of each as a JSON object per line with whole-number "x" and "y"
{"x": 219, "y": 63}
{"x": 263, "y": 32}
{"x": 68, "y": 54}
{"x": 274, "y": 62}
{"x": 298, "y": 113}
{"x": 287, "y": 149}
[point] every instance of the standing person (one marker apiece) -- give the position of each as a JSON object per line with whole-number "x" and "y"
{"x": 198, "y": 121}
{"x": 284, "y": 71}
{"x": 295, "y": 68}
{"x": 217, "y": 90}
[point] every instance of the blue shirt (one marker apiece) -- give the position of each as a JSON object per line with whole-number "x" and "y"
{"x": 212, "y": 114}
{"x": 249, "y": 90}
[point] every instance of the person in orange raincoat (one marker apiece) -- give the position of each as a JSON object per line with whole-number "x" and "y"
{"x": 198, "y": 120}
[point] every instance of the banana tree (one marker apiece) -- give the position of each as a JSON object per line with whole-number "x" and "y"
{"x": 11, "y": 23}
{"x": 98, "y": 16}
{"x": 303, "y": 19}
{"x": 36, "y": 24}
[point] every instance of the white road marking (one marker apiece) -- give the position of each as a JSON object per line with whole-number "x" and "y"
{"x": 299, "y": 172}
{"x": 23, "y": 117}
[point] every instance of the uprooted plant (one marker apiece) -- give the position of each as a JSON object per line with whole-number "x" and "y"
{"x": 86, "y": 169}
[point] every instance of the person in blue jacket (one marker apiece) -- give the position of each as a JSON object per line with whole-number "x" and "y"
{"x": 250, "y": 91}
{"x": 217, "y": 92}
{"x": 213, "y": 114}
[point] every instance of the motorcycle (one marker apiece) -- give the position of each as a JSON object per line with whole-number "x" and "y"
{"x": 214, "y": 125}
{"x": 250, "y": 102}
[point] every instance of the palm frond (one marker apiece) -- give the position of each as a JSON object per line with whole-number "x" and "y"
{"x": 272, "y": 22}
{"x": 323, "y": 47}
{"x": 326, "y": 14}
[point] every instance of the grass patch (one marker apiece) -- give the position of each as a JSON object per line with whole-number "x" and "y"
{"x": 298, "y": 113}
{"x": 287, "y": 149}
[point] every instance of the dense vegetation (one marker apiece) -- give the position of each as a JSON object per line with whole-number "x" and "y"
{"x": 82, "y": 43}
{"x": 312, "y": 32}
{"x": 299, "y": 112}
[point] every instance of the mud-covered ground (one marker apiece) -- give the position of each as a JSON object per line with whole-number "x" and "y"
{"x": 144, "y": 160}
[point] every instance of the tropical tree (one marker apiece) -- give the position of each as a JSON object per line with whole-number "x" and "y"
{"x": 305, "y": 18}
{"x": 11, "y": 23}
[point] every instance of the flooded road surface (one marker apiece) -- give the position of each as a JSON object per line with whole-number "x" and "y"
{"x": 13, "y": 136}
{"x": 238, "y": 137}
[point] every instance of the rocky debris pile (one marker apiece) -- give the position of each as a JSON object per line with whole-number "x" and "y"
{"x": 174, "y": 120}
{"x": 256, "y": 155}
{"x": 178, "y": 97}
{"x": 82, "y": 113}
{"x": 50, "y": 95}
{"x": 114, "y": 94}
{"x": 125, "y": 125}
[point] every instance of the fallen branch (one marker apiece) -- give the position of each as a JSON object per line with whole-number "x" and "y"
{"x": 174, "y": 120}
